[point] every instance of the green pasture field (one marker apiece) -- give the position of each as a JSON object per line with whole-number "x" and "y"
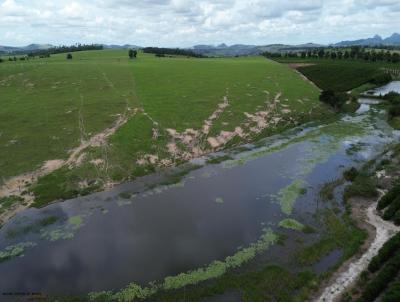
{"x": 49, "y": 105}
{"x": 340, "y": 75}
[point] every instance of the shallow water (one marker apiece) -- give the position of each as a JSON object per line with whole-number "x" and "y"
{"x": 107, "y": 240}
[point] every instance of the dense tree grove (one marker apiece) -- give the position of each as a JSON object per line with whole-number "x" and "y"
{"x": 352, "y": 53}
{"x": 172, "y": 51}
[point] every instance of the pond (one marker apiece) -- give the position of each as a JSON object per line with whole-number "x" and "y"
{"x": 231, "y": 212}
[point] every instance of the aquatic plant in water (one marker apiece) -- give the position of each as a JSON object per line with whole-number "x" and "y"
{"x": 15, "y": 250}
{"x": 64, "y": 232}
{"x": 219, "y": 200}
{"x": 57, "y": 234}
{"x": 291, "y": 224}
{"x": 76, "y": 221}
{"x": 213, "y": 270}
{"x": 288, "y": 195}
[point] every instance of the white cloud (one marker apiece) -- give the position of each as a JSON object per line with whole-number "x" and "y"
{"x": 188, "y": 22}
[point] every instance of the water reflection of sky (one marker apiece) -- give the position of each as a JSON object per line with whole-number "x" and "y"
{"x": 180, "y": 228}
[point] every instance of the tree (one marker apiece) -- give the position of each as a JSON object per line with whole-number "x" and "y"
{"x": 321, "y": 53}
{"x": 1, "y": 60}
{"x": 132, "y": 53}
{"x": 336, "y": 100}
{"x": 69, "y": 56}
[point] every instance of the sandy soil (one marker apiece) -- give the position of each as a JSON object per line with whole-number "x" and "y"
{"x": 379, "y": 231}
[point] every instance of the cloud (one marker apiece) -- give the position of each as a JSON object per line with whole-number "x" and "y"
{"x": 188, "y": 22}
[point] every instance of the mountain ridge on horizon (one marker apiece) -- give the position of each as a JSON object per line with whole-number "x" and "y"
{"x": 234, "y": 49}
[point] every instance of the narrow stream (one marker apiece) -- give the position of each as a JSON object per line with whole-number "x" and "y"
{"x": 142, "y": 232}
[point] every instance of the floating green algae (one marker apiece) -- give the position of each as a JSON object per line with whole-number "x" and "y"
{"x": 215, "y": 269}
{"x": 291, "y": 224}
{"x": 288, "y": 195}
{"x": 57, "y": 234}
{"x": 337, "y": 131}
{"x": 65, "y": 231}
{"x": 15, "y": 250}
{"x": 76, "y": 221}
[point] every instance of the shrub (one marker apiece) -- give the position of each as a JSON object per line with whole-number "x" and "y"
{"x": 381, "y": 79}
{"x": 332, "y": 98}
{"x": 396, "y": 218}
{"x": 385, "y": 253}
{"x": 388, "y": 198}
{"x": 381, "y": 280}
{"x": 351, "y": 174}
{"x": 394, "y": 111}
{"x": 392, "y": 209}
{"x": 393, "y": 293}
{"x": 393, "y": 98}
{"x": 69, "y": 56}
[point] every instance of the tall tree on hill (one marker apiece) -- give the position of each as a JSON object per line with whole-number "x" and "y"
{"x": 69, "y": 56}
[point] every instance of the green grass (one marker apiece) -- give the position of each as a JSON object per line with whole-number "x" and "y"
{"x": 9, "y": 201}
{"x": 42, "y": 100}
{"x": 49, "y": 101}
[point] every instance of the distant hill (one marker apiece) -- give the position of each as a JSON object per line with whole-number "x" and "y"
{"x": 126, "y": 46}
{"x": 24, "y": 49}
{"x": 243, "y": 49}
{"x": 394, "y": 39}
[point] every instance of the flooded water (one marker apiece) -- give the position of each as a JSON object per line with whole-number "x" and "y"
{"x": 138, "y": 233}
{"x": 393, "y": 86}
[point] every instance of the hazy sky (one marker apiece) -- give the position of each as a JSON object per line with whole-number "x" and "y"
{"x": 189, "y": 22}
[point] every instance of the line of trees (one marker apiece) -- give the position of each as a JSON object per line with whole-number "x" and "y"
{"x": 63, "y": 49}
{"x": 172, "y": 51}
{"x": 353, "y": 53}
